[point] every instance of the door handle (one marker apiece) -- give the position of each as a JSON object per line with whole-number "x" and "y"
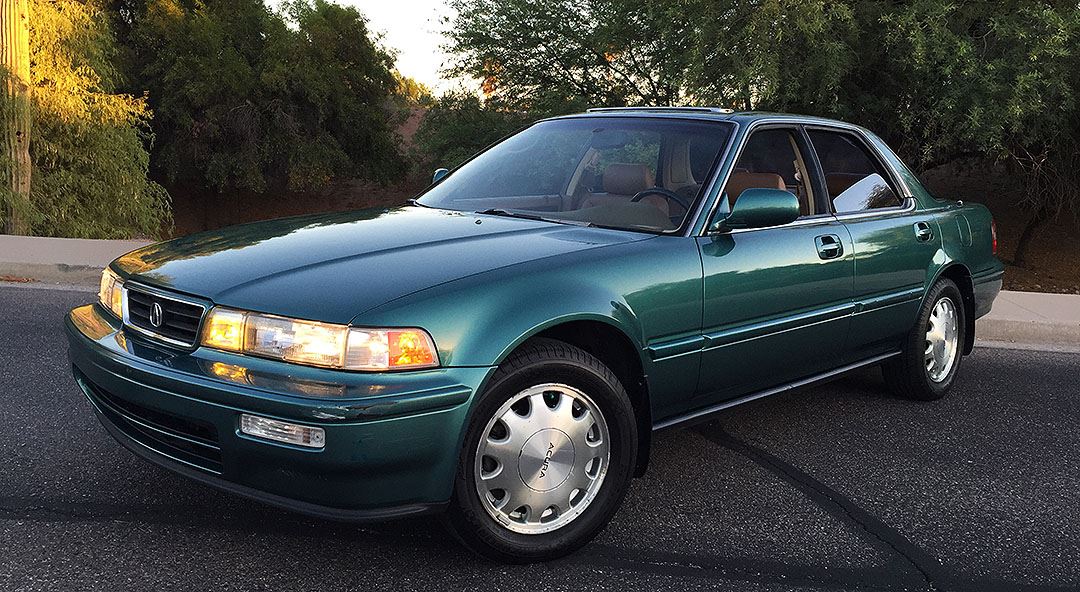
{"x": 923, "y": 232}
{"x": 829, "y": 246}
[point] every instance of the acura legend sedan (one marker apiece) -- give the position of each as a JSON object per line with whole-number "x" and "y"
{"x": 500, "y": 350}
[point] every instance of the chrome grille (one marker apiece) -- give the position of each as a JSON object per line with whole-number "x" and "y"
{"x": 178, "y": 322}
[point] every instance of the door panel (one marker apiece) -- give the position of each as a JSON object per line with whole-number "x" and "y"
{"x": 777, "y": 306}
{"x": 892, "y": 259}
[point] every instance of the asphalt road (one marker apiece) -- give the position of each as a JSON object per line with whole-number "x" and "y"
{"x": 840, "y": 487}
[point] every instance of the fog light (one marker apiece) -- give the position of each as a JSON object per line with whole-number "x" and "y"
{"x": 280, "y": 431}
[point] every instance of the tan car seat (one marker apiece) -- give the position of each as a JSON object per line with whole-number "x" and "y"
{"x": 622, "y": 181}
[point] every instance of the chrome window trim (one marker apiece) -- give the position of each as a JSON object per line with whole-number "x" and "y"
{"x": 819, "y": 219}
{"x": 166, "y": 296}
{"x": 909, "y": 204}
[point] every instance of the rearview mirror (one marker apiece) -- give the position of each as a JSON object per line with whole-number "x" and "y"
{"x": 759, "y": 208}
{"x": 609, "y": 139}
{"x": 439, "y": 174}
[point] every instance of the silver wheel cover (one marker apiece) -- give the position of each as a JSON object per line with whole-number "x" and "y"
{"x": 942, "y": 336}
{"x": 542, "y": 458}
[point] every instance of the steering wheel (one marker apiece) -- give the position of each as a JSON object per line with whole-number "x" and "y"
{"x": 675, "y": 197}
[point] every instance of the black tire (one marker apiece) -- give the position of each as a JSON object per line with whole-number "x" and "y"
{"x": 907, "y": 375}
{"x": 538, "y": 362}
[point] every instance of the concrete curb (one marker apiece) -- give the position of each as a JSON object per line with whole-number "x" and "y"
{"x": 57, "y": 273}
{"x": 60, "y": 260}
{"x": 1032, "y": 318}
{"x": 1014, "y": 331}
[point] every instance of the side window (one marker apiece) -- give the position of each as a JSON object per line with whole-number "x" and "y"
{"x": 771, "y": 160}
{"x": 854, "y": 179}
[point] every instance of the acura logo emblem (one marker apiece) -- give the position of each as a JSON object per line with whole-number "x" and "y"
{"x": 156, "y": 315}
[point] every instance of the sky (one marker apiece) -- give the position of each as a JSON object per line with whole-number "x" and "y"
{"x": 412, "y": 28}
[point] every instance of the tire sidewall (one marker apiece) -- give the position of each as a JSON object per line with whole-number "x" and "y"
{"x": 470, "y": 521}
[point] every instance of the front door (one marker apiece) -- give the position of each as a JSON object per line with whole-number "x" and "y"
{"x": 777, "y": 301}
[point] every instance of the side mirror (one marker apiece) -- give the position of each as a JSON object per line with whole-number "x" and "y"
{"x": 759, "y": 208}
{"x": 439, "y": 174}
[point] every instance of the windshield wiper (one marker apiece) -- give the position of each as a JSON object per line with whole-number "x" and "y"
{"x": 509, "y": 214}
{"x": 524, "y": 216}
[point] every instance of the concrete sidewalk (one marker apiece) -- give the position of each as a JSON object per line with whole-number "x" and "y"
{"x": 60, "y": 260}
{"x": 1032, "y": 319}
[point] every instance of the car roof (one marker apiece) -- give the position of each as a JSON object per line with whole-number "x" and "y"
{"x": 703, "y": 114}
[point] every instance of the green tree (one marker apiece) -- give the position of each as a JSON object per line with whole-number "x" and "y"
{"x": 247, "y": 98}
{"x": 458, "y": 125}
{"x": 539, "y": 53}
{"x": 89, "y": 176}
{"x": 753, "y": 54}
{"x": 15, "y": 115}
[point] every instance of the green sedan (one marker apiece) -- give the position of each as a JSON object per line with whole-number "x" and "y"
{"x": 501, "y": 350}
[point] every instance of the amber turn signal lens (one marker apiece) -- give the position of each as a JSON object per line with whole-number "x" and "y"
{"x": 390, "y": 349}
{"x": 410, "y": 348}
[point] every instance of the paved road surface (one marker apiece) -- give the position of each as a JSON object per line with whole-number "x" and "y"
{"x": 839, "y": 487}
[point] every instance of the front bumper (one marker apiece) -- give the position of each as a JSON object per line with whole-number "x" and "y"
{"x": 392, "y": 439}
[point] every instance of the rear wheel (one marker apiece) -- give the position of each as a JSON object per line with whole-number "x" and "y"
{"x": 547, "y": 457}
{"x": 932, "y": 352}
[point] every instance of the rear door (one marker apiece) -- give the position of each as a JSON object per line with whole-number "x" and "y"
{"x": 894, "y": 242}
{"x": 777, "y": 301}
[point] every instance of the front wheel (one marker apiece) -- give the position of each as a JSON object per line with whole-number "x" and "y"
{"x": 547, "y": 458}
{"x": 932, "y": 352}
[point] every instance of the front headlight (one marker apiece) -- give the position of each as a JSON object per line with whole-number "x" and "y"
{"x": 110, "y": 294}
{"x": 318, "y": 344}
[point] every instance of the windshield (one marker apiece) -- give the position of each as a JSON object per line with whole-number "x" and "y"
{"x": 634, "y": 173}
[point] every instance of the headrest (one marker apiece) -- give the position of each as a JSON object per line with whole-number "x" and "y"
{"x": 627, "y": 179}
{"x": 741, "y": 181}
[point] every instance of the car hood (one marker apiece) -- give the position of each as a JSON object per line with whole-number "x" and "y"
{"x": 332, "y": 267}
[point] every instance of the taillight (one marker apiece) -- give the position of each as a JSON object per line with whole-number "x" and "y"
{"x": 993, "y": 237}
